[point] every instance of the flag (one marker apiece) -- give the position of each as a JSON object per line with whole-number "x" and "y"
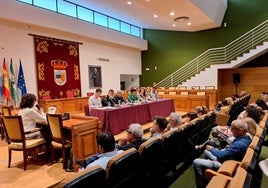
{"x": 13, "y": 87}
{"x": 1, "y": 85}
{"x": 21, "y": 81}
{"x": 6, "y": 90}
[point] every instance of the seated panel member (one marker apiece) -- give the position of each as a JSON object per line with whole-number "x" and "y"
{"x": 94, "y": 101}
{"x": 132, "y": 96}
{"x": 109, "y": 99}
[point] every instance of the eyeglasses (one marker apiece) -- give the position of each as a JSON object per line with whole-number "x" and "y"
{"x": 128, "y": 132}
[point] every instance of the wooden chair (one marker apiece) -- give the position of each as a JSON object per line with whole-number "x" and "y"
{"x": 69, "y": 94}
{"x": 124, "y": 169}
{"x": 172, "y": 93}
{"x": 151, "y": 152}
{"x": 16, "y": 138}
{"x": 94, "y": 176}
{"x": 196, "y": 87}
{"x": 59, "y": 141}
{"x": 209, "y": 87}
{"x": 229, "y": 167}
{"x": 6, "y": 110}
{"x": 182, "y": 87}
{"x": 184, "y": 93}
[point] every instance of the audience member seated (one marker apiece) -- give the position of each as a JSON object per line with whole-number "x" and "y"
{"x": 153, "y": 94}
{"x": 94, "y": 101}
{"x": 110, "y": 99}
{"x": 159, "y": 126}
{"x": 243, "y": 93}
{"x": 261, "y": 103}
{"x": 106, "y": 149}
{"x": 119, "y": 98}
{"x": 225, "y": 106}
{"x": 190, "y": 116}
{"x": 251, "y": 111}
{"x": 235, "y": 151}
{"x": 134, "y": 138}
{"x": 132, "y": 96}
{"x": 174, "y": 121}
{"x": 201, "y": 110}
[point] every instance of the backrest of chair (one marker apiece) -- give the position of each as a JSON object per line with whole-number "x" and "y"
{"x": 6, "y": 110}
{"x": 151, "y": 153}
{"x": 184, "y": 93}
{"x": 172, "y": 93}
{"x": 56, "y": 126}
{"x": 14, "y": 128}
{"x": 249, "y": 160}
{"x": 196, "y": 87}
{"x": 123, "y": 169}
{"x": 222, "y": 119}
{"x": 241, "y": 179}
{"x": 94, "y": 176}
{"x": 69, "y": 94}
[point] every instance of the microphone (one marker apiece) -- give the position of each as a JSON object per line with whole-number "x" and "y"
{"x": 38, "y": 107}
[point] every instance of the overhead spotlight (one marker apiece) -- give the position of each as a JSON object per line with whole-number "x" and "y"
{"x": 129, "y": 2}
{"x": 155, "y": 16}
{"x": 172, "y": 13}
{"x": 181, "y": 19}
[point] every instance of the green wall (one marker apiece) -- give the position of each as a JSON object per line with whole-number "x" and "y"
{"x": 169, "y": 50}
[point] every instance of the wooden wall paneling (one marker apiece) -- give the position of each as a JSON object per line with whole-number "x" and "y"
{"x": 254, "y": 80}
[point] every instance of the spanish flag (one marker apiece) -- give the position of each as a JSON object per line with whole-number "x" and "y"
{"x": 6, "y": 89}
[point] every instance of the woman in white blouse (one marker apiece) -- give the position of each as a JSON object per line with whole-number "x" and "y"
{"x": 31, "y": 114}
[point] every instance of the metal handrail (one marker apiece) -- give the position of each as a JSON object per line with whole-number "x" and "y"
{"x": 221, "y": 55}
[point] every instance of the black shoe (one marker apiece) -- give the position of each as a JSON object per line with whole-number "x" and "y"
{"x": 80, "y": 163}
{"x": 69, "y": 169}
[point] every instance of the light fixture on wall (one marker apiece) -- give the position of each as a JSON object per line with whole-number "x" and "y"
{"x": 103, "y": 59}
{"x": 181, "y": 19}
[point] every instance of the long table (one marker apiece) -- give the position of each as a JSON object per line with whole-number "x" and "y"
{"x": 118, "y": 119}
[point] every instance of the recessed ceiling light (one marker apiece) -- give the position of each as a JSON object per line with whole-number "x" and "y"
{"x": 181, "y": 19}
{"x": 129, "y": 2}
{"x": 155, "y": 16}
{"x": 172, "y": 13}
{"x": 189, "y": 23}
{"x": 173, "y": 25}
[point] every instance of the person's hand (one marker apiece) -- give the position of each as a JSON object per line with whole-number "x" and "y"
{"x": 208, "y": 147}
{"x": 122, "y": 141}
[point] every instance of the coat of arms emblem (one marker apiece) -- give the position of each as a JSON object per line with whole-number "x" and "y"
{"x": 60, "y": 76}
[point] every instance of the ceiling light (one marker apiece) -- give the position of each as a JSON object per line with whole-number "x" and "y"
{"x": 129, "y": 2}
{"x": 173, "y": 25}
{"x": 189, "y": 23}
{"x": 172, "y": 13}
{"x": 155, "y": 16}
{"x": 181, "y": 19}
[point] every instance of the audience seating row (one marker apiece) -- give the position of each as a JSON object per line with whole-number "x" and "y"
{"x": 153, "y": 160}
{"x": 239, "y": 174}
{"x": 237, "y": 107}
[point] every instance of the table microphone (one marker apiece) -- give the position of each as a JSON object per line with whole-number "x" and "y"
{"x": 38, "y": 107}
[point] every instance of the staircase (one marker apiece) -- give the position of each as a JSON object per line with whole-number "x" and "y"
{"x": 203, "y": 70}
{"x": 209, "y": 76}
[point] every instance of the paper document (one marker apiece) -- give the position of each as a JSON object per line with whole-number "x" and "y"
{"x": 264, "y": 166}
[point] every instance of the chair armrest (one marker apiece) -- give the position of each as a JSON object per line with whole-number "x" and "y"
{"x": 210, "y": 173}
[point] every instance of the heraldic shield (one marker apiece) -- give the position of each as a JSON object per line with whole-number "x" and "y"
{"x": 60, "y": 77}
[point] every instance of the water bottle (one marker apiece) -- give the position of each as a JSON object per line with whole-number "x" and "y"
{"x": 109, "y": 104}
{"x": 119, "y": 102}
